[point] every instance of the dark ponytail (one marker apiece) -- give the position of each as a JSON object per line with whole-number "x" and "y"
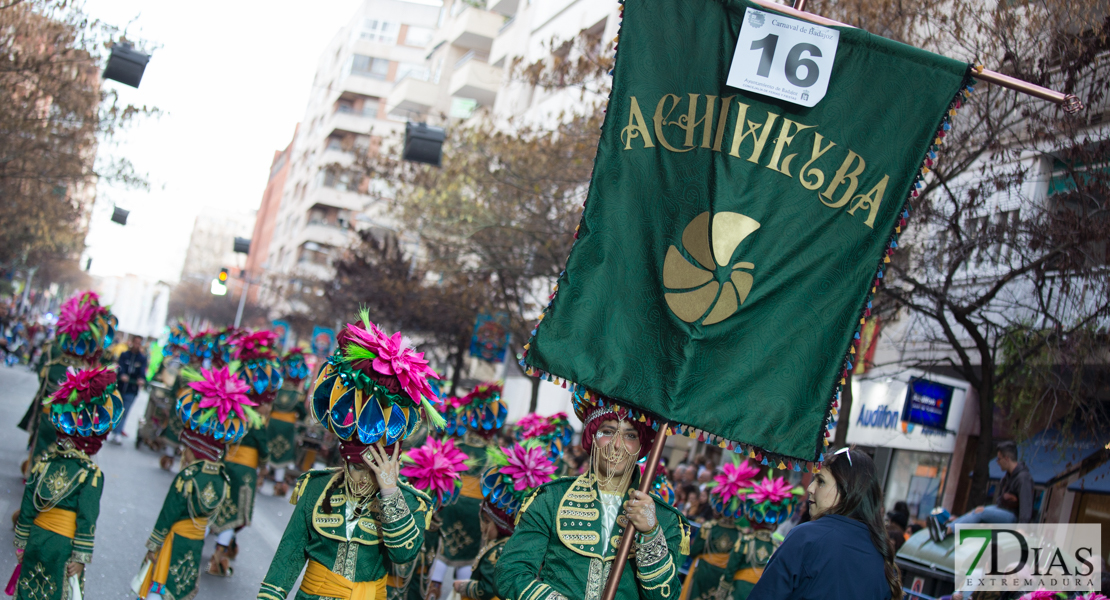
{"x": 862, "y": 500}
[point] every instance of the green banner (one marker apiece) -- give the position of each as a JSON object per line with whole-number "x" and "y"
{"x": 731, "y": 242}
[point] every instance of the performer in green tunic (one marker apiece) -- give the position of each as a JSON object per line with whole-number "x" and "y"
{"x": 568, "y": 531}
{"x": 215, "y": 411}
{"x": 767, "y": 503}
{"x": 204, "y": 353}
{"x": 711, "y": 547}
{"x": 433, "y": 468}
{"x": 474, "y": 420}
{"x": 514, "y": 473}
{"x": 353, "y": 522}
{"x": 85, "y": 329}
{"x": 258, "y": 366}
{"x": 57, "y": 519}
{"x": 288, "y": 410}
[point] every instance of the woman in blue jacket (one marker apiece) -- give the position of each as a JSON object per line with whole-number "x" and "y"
{"x": 843, "y": 553}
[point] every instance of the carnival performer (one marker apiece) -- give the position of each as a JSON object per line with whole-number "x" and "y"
{"x": 159, "y": 407}
{"x": 434, "y": 468}
{"x": 215, "y": 411}
{"x": 474, "y": 421}
{"x": 568, "y": 531}
{"x": 767, "y": 504}
{"x": 57, "y": 519}
{"x": 257, "y": 363}
{"x": 554, "y": 432}
{"x": 514, "y": 473}
{"x": 352, "y": 522}
{"x": 288, "y": 409}
{"x": 711, "y": 548}
{"x": 204, "y": 353}
{"x": 85, "y": 329}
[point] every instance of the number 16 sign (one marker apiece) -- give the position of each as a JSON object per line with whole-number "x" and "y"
{"x": 783, "y": 58}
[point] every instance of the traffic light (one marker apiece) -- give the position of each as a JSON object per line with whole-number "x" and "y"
{"x": 219, "y": 284}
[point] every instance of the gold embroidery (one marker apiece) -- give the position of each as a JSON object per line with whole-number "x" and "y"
{"x": 184, "y": 572}
{"x": 455, "y": 538}
{"x": 595, "y": 580}
{"x": 37, "y": 585}
{"x": 591, "y": 514}
{"x": 208, "y": 495}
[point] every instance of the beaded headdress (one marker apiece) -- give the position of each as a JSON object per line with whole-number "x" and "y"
{"x": 374, "y": 387}
{"x": 177, "y": 343}
{"x": 87, "y": 403}
{"x": 554, "y": 432}
{"x": 661, "y": 486}
{"x": 435, "y": 469}
{"x": 85, "y": 328}
{"x": 482, "y": 410}
{"x": 593, "y": 409}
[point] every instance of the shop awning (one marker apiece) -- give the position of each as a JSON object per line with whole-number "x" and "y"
{"x": 1095, "y": 482}
{"x": 1049, "y": 457}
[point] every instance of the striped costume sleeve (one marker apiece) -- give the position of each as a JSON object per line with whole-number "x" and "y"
{"x": 403, "y": 518}
{"x": 88, "y": 510}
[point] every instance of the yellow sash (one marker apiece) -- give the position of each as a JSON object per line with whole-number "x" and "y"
{"x": 394, "y": 581}
{"x": 321, "y": 581}
{"x": 751, "y": 575}
{"x": 60, "y": 521}
{"x": 472, "y": 487}
{"x": 717, "y": 559}
{"x": 280, "y": 415}
{"x": 243, "y": 455}
{"x": 160, "y": 571}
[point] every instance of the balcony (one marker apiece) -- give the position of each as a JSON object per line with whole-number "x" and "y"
{"x": 324, "y": 235}
{"x": 365, "y": 86}
{"x": 504, "y": 7}
{"x": 352, "y": 122}
{"x": 347, "y": 200}
{"x": 477, "y": 80}
{"x": 412, "y": 96}
{"x": 509, "y": 39}
{"x": 474, "y": 29}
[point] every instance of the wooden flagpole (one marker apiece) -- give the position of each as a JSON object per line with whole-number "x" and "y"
{"x": 625, "y": 547}
{"x": 1068, "y": 102}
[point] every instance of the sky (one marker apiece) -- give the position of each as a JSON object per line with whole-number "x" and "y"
{"x": 232, "y": 79}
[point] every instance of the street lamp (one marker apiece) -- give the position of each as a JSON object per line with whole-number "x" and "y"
{"x": 126, "y": 65}
{"x": 423, "y": 144}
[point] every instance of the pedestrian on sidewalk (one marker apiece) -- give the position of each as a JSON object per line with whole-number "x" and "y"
{"x": 131, "y": 368}
{"x": 843, "y": 553}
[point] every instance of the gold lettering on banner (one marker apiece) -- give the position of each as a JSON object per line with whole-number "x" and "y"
{"x": 756, "y": 128}
{"x": 636, "y": 128}
{"x": 841, "y": 175}
{"x": 660, "y": 120}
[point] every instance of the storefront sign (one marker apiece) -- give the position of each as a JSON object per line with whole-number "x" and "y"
{"x": 893, "y": 411}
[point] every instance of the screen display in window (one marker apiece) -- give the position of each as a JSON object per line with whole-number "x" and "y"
{"x": 927, "y": 403}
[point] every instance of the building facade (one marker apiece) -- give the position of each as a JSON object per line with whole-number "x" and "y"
{"x": 266, "y": 218}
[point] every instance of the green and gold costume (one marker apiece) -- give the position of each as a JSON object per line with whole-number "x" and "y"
{"x": 560, "y": 551}
{"x": 241, "y": 462}
{"x": 483, "y": 579}
{"x": 57, "y": 522}
{"x": 710, "y": 550}
{"x": 282, "y": 430}
{"x": 178, "y": 538}
{"x": 747, "y": 560}
{"x": 409, "y": 581}
{"x": 460, "y": 532}
{"x": 344, "y": 550}
{"x": 51, "y": 374}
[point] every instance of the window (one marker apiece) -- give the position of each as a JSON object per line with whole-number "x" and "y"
{"x": 413, "y": 71}
{"x": 370, "y": 107}
{"x": 369, "y": 66}
{"x": 418, "y": 36}
{"x": 344, "y": 106}
{"x": 383, "y": 32}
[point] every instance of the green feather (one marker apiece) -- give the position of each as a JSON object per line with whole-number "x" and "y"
{"x": 496, "y": 456}
{"x": 354, "y": 352}
{"x": 191, "y": 374}
{"x": 253, "y": 417}
{"x": 433, "y": 415}
{"x": 233, "y": 366}
{"x": 364, "y": 315}
{"x": 208, "y": 414}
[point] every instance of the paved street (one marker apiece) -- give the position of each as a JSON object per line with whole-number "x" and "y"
{"x": 133, "y": 494}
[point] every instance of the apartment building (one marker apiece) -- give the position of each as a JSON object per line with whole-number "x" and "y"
{"x": 266, "y": 219}
{"x": 321, "y": 201}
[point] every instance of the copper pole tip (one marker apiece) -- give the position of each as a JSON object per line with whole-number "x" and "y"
{"x": 1072, "y": 104}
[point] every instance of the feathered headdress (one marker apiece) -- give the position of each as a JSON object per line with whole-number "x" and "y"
{"x": 514, "y": 472}
{"x": 84, "y": 326}
{"x": 661, "y": 486}
{"x": 373, "y": 387}
{"x": 293, "y": 365}
{"x": 435, "y": 469}
{"x": 772, "y": 500}
{"x": 215, "y": 403}
{"x": 177, "y": 344}
{"x": 259, "y": 366}
{"x": 87, "y": 403}
{"x": 730, "y": 486}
